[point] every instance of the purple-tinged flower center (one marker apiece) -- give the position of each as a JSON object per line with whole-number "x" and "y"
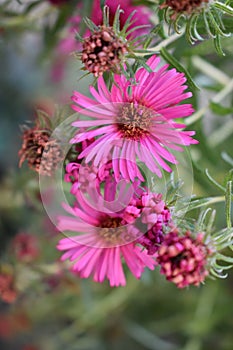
{"x": 134, "y": 121}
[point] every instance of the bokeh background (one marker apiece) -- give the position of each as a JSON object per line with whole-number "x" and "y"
{"x": 53, "y": 309}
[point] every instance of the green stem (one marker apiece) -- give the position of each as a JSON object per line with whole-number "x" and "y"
{"x": 217, "y": 98}
{"x": 228, "y": 204}
{"x": 202, "y": 322}
{"x": 208, "y": 69}
{"x": 158, "y": 47}
{"x": 224, "y": 8}
{"x": 221, "y": 134}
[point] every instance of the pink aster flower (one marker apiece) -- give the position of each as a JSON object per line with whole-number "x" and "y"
{"x": 108, "y": 233}
{"x": 183, "y": 259}
{"x": 135, "y": 121}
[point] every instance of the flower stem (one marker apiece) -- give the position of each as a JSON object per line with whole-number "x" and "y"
{"x": 213, "y": 72}
{"x": 228, "y": 204}
{"x": 217, "y": 98}
{"x": 158, "y": 47}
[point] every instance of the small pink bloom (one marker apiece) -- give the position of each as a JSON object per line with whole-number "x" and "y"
{"x": 157, "y": 216}
{"x": 183, "y": 259}
{"x": 135, "y": 120}
{"x": 108, "y": 231}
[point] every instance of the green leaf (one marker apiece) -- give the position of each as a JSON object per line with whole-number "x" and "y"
{"x": 219, "y": 109}
{"x": 143, "y": 63}
{"x": 227, "y": 158}
{"x": 116, "y": 21}
{"x": 218, "y": 46}
{"x": 92, "y": 26}
{"x": 228, "y": 204}
{"x": 31, "y": 6}
{"x": 198, "y": 203}
{"x": 224, "y": 258}
{"x": 176, "y": 64}
{"x": 214, "y": 181}
{"x": 225, "y": 8}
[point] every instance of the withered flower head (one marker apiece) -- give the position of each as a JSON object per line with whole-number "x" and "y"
{"x": 42, "y": 152}
{"x": 183, "y": 6}
{"x": 103, "y": 51}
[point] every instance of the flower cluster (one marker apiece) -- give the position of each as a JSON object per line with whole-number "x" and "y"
{"x": 130, "y": 127}
{"x": 114, "y": 215}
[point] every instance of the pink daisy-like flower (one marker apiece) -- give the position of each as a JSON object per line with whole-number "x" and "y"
{"x": 135, "y": 121}
{"x": 108, "y": 232}
{"x": 183, "y": 259}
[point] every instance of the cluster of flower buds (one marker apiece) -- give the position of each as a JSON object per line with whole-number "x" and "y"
{"x": 129, "y": 120}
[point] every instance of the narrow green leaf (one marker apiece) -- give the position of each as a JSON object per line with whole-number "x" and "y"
{"x": 218, "y": 46}
{"x": 228, "y": 204}
{"x": 138, "y": 27}
{"x": 208, "y": 25}
{"x": 78, "y": 37}
{"x": 143, "y": 63}
{"x": 224, "y": 258}
{"x": 116, "y": 21}
{"x": 214, "y": 181}
{"x": 128, "y": 22}
{"x": 32, "y": 6}
{"x": 176, "y": 64}
{"x": 106, "y": 16}
{"x": 219, "y": 109}
{"x": 92, "y": 26}
{"x": 227, "y": 158}
{"x": 196, "y": 203}
{"x": 225, "y": 8}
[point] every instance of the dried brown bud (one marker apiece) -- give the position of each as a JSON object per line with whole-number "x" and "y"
{"x": 103, "y": 51}
{"x": 42, "y": 153}
{"x": 181, "y": 6}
